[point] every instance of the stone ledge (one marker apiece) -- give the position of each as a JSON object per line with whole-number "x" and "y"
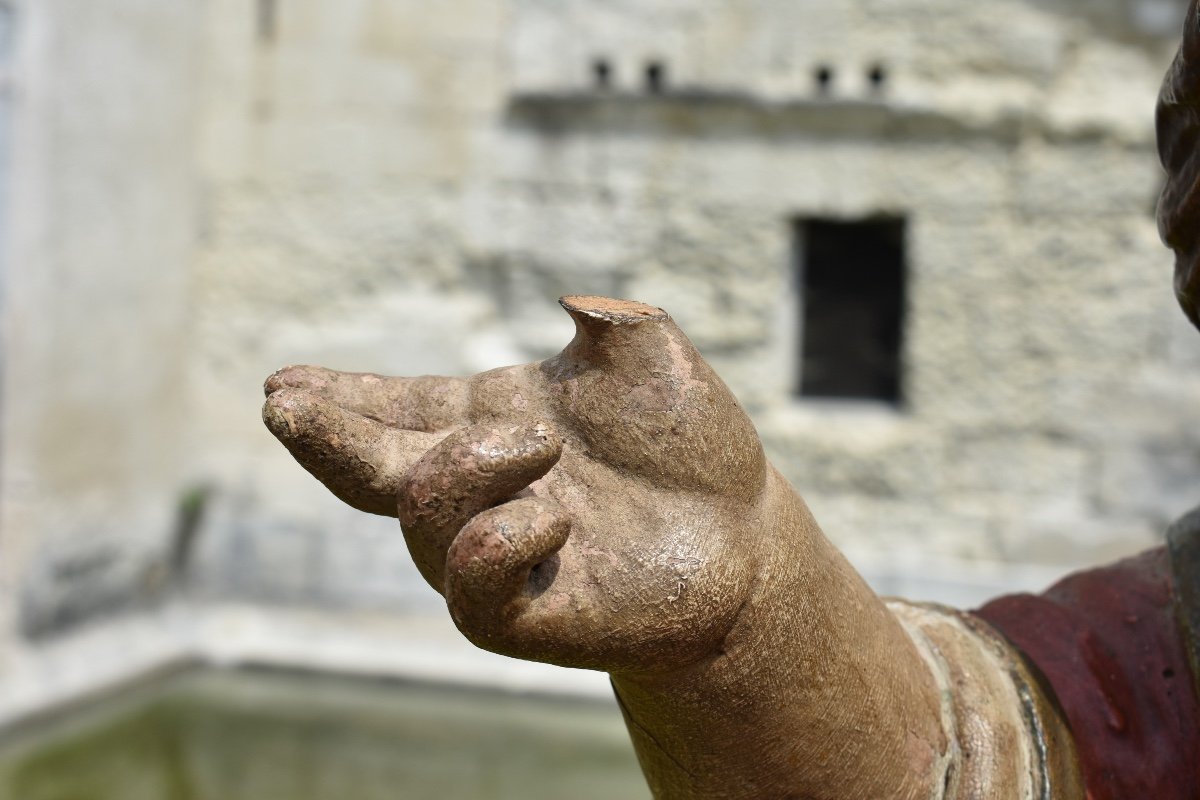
{"x": 54, "y": 675}
{"x": 42, "y": 679}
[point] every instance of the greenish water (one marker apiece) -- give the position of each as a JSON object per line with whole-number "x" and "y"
{"x": 232, "y": 735}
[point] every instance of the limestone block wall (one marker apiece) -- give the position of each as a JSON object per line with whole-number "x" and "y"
{"x": 342, "y": 154}
{"x": 98, "y": 242}
{"x": 1043, "y": 356}
{"x": 406, "y": 187}
{"x": 398, "y": 191}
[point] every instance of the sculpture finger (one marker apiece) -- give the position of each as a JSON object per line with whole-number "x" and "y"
{"x": 469, "y": 471}
{"x": 425, "y": 403}
{"x": 500, "y": 561}
{"x": 360, "y": 460}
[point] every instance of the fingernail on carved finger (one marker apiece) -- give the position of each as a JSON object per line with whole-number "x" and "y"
{"x": 489, "y": 563}
{"x": 310, "y": 379}
{"x": 361, "y": 461}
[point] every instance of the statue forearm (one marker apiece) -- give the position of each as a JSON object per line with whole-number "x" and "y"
{"x": 820, "y": 686}
{"x": 817, "y": 685}
{"x": 611, "y": 508}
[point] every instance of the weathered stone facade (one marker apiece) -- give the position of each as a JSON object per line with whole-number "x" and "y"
{"x": 98, "y": 236}
{"x": 406, "y": 187}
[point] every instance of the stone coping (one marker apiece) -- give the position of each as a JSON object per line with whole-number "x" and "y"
{"x": 52, "y": 674}
{"x": 44, "y": 678}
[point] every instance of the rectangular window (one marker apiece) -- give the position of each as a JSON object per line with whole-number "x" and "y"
{"x": 852, "y": 280}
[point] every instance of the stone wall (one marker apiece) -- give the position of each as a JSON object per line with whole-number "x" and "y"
{"x": 406, "y": 187}
{"x": 1045, "y": 366}
{"x": 98, "y": 243}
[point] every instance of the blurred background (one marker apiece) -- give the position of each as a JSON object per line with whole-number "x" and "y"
{"x": 916, "y": 237}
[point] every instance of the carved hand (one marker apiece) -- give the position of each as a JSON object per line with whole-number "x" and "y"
{"x": 602, "y": 509}
{"x": 611, "y": 508}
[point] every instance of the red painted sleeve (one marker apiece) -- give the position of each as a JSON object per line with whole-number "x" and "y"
{"x": 1110, "y": 647}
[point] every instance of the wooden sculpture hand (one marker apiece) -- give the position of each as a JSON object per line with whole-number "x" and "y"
{"x": 611, "y": 508}
{"x": 600, "y": 509}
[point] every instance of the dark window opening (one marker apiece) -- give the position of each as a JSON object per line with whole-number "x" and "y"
{"x": 656, "y": 77}
{"x": 266, "y": 20}
{"x": 823, "y": 76}
{"x": 877, "y": 76}
{"x": 852, "y": 275}
{"x": 602, "y": 73}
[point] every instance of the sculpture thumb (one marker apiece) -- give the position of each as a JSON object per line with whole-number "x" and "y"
{"x": 608, "y": 330}
{"x": 643, "y": 398}
{"x": 636, "y": 343}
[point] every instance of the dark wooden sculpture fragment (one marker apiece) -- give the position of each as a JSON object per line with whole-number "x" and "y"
{"x": 1178, "y": 123}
